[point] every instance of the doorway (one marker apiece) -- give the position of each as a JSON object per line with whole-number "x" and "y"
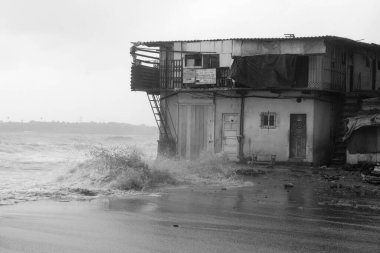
{"x": 195, "y": 130}
{"x": 231, "y": 126}
{"x": 297, "y": 140}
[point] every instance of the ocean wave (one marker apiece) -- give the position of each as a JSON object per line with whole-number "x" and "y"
{"x": 121, "y": 168}
{"x": 116, "y": 171}
{"x": 119, "y": 138}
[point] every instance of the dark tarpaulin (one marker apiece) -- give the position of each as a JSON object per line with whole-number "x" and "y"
{"x": 364, "y": 140}
{"x": 264, "y": 70}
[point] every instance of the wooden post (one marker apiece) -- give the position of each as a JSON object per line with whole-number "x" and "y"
{"x": 241, "y": 134}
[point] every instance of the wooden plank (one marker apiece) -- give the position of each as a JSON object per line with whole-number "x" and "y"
{"x": 206, "y": 120}
{"x": 198, "y": 131}
{"x": 188, "y": 132}
{"x": 211, "y": 128}
{"x": 193, "y": 132}
{"x": 182, "y": 135}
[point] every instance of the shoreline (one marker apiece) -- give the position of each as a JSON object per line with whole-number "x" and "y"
{"x": 190, "y": 219}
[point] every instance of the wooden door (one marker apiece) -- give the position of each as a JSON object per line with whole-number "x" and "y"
{"x": 231, "y": 127}
{"x": 297, "y": 141}
{"x": 195, "y": 130}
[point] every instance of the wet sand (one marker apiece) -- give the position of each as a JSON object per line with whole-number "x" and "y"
{"x": 265, "y": 217}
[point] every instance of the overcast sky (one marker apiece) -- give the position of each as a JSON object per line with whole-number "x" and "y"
{"x": 68, "y": 60}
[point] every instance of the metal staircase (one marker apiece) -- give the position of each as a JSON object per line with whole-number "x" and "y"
{"x": 163, "y": 127}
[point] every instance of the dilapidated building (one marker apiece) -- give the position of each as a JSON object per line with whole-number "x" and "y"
{"x": 262, "y": 97}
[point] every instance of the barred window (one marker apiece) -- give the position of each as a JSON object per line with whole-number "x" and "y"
{"x": 268, "y": 120}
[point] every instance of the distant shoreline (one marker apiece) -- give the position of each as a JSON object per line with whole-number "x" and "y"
{"x": 77, "y": 127}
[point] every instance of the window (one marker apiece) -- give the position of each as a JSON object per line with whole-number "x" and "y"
{"x": 193, "y": 60}
{"x": 210, "y": 61}
{"x": 268, "y": 120}
{"x": 206, "y": 61}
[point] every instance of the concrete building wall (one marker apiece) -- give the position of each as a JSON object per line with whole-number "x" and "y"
{"x": 261, "y": 141}
{"x": 276, "y": 141}
{"x": 357, "y": 158}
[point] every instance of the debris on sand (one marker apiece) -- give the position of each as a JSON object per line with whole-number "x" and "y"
{"x": 84, "y": 192}
{"x": 250, "y": 172}
{"x": 330, "y": 177}
{"x": 288, "y": 185}
{"x": 370, "y": 173}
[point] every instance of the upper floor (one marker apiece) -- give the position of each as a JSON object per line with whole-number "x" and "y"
{"x": 313, "y": 63}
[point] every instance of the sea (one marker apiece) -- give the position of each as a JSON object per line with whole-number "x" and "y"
{"x": 32, "y": 164}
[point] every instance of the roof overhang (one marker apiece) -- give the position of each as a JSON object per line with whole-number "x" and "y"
{"x": 260, "y": 46}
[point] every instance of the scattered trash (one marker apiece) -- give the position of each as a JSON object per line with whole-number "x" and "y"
{"x": 335, "y": 186}
{"x": 376, "y": 170}
{"x": 84, "y": 192}
{"x": 349, "y": 167}
{"x": 250, "y": 172}
{"x": 370, "y": 179}
{"x": 330, "y": 178}
{"x": 288, "y": 185}
{"x": 371, "y": 173}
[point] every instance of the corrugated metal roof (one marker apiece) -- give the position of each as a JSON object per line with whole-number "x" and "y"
{"x": 325, "y": 37}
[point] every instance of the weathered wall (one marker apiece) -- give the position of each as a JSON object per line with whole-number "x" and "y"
{"x": 323, "y": 128}
{"x": 265, "y": 142}
{"x": 276, "y": 141}
{"x": 362, "y": 73}
{"x": 357, "y": 158}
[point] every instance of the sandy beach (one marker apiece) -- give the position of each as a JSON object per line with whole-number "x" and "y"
{"x": 54, "y": 198}
{"x": 263, "y": 217}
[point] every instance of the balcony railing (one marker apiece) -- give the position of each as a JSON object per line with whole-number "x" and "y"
{"x": 171, "y": 77}
{"x": 144, "y": 77}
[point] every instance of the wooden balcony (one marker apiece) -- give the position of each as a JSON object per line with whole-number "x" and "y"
{"x": 144, "y": 78}
{"x": 172, "y": 77}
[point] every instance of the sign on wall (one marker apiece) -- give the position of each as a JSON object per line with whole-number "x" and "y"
{"x": 188, "y": 76}
{"x": 199, "y": 76}
{"x": 205, "y": 76}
